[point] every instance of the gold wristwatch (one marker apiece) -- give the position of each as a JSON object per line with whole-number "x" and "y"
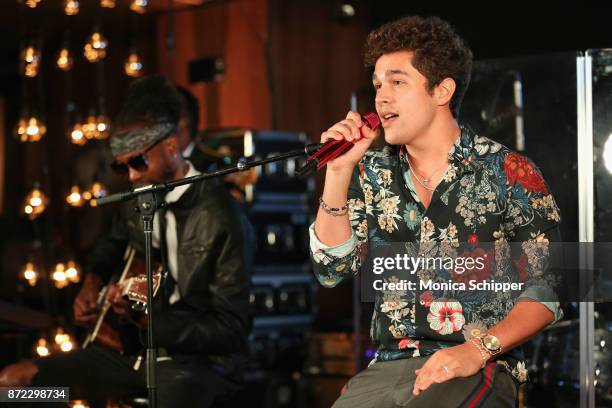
{"x": 490, "y": 343}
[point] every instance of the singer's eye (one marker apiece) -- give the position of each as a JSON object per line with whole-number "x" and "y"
{"x": 396, "y": 82}
{"x": 376, "y": 86}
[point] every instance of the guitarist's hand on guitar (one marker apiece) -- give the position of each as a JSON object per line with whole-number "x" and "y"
{"x": 85, "y": 303}
{"x": 120, "y": 305}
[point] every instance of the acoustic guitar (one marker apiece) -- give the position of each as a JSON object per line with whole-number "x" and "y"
{"x": 133, "y": 284}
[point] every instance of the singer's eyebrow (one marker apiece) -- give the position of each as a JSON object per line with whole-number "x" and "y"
{"x": 390, "y": 72}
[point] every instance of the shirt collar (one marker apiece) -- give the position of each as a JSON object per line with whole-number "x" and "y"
{"x": 460, "y": 155}
{"x": 188, "y": 150}
{"x": 174, "y": 195}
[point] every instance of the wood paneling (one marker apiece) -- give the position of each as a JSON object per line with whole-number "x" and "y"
{"x": 237, "y": 32}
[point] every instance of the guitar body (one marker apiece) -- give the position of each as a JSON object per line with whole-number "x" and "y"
{"x": 109, "y": 336}
{"x": 110, "y": 330}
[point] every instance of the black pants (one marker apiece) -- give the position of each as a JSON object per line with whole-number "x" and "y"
{"x": 388, "y": 384}
{"x": 97, "y": 374}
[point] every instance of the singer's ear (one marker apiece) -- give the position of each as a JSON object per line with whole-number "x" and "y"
{"x": 444, "y": 91}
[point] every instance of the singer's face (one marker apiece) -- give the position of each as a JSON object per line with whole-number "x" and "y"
{"x": 403, "y": 102}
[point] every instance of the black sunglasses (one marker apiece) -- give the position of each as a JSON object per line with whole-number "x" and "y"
{"x": 138, "y": 162}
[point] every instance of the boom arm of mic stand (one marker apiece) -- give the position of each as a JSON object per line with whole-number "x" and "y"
{"x": 242, "y": 165}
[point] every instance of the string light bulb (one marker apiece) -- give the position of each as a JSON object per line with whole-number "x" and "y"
{"x": 79, "y": 404}
{"x": 59, "y": 276}
{"x": 35, "y": 203}
{"x": 42, "y": 348}
{"x": 63, "y": 340}
{"x": 30, "y": 274}
{"x": 108, "y": 3}
{"x": 96, "y": 190}
{"x": 95, "y": 48}
{"x": 139, "y": 6}
{"x": 77, "y": 136}
{"x": 73, "y": 271}
{"x": 64, "y": 60}
{"x": 71, "y": 7}
{"x": 90, "y": 127}
{"x": 102, "y": 127}
{"x": 32, "y": 3}
{"x": 133, "y": 65}
{"x": 30, "y": 129}
{"x": 74, "y": 198}
{"x": 30, "y": 57}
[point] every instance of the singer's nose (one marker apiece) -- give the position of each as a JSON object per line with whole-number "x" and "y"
{"x": 382, "y": 98}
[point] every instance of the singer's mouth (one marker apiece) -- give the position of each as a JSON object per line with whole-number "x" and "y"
{"x": 387, "y": 118}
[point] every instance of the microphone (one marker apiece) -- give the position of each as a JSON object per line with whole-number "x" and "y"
{"x": 325, "y": 152}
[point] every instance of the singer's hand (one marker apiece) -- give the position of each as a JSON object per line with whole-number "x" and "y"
{"x": 353, "y": 130}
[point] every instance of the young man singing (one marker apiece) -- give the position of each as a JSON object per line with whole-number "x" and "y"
{"x": 435, "y": 182}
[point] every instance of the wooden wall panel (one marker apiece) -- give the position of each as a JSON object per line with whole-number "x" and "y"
{"x": 236, "y": 31}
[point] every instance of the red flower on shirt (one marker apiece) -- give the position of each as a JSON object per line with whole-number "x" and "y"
{"x": 521, "y": 266}
{"x": 426, "y": 298}
{"x": 520, "y": 169}
{"x": 408, "y": 343}
{"x": 479, "y": 268}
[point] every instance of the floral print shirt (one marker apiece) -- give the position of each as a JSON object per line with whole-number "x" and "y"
{"x": 487, "y": 194}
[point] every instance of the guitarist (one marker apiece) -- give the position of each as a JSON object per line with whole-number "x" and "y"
{"x": 201, "y": 323}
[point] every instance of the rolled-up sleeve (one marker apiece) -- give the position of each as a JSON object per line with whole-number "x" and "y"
{"x": 331, "y": 265}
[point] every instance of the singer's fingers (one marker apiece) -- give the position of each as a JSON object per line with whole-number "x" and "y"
{"x": 368, "y": 133}
{"x": 347, "y": 128}
{"x": 355, "y": 117}
{"x": 331, "y": 134}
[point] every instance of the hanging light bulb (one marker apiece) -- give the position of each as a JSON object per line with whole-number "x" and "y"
{"x": 30, "y": 274}
{"x": 63, "y": 340}
{"x": 60, "y": 336}
{"x": 108, "y": 3}
{"x": 71, "y": 7}
{"x": 139, "y": 6}
{"x": 30, "y": 58}
{"x": 95, "y": 48}
{"x": 73, "y": 271}
{"x": 35, "y": 203}
{"x": 102, "y": 127}
{"x": 42, "y": 348}
{"x": 59, "y": 276}
{"x": 79, "y": 404}
{"x": 90, "y": 127}
{"x": 30, "y": 129}
{"x": 96, "y": 190}
{"x": 64, "y": 60}
{"x": 75, "y": 199}
{"x": 32, "y": 3}
{"x": 76, "y": 134}
{"x": 133, "y": 65}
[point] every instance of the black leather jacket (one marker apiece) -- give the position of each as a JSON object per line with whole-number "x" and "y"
{"x": 215, "y": 257}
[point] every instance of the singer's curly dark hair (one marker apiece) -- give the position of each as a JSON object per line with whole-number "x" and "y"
{"x": 439, "y": 52}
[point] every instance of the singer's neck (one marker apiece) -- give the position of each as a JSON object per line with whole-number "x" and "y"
{"x": 429, "y": 150}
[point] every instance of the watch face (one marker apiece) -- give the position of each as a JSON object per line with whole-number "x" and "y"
{"x": 491, "y": 343}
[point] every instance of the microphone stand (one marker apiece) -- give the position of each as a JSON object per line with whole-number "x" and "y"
{"x": 147, "y": 205}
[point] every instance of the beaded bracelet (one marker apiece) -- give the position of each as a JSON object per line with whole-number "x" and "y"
{"x": 480, "y": 348}
{"x": 336, "y": 212}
